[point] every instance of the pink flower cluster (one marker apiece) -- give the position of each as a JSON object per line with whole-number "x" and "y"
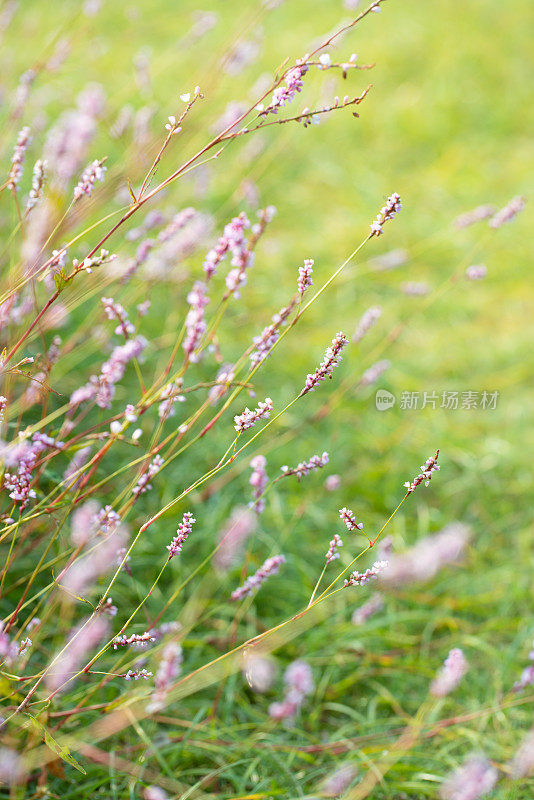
{"x": 115, "y": 311}
{"x": 233, "y": 240}
{"x": 392, "y": 207}
{"x": 249, "y": 418}
{"x": 17, "y": 160}
{"x": 68, "y": 141}
{"x": 298, "y": 679}
{"x": 283, "y": 95}
{"x": 269, "y": 567}
{"x": 234, "y": 534}
{"x": 332, "y": 553}
{"x": 135, "y": 640}
{"x": 527, "y": 676}
{"x": 425, "y": 475}
{"x": 361, "y": 578}
{"x": 258, "y": 480}
{"x": 195, "y": 324}
{"x": 475, "y": 778}
{"x": 170, "y": 395}
{"x": 38, "y": 178}
{"x": 428, "y": 556}
{"x": 331, "y": 359}
{"x": 366, "y": 323}
{"x": 83, "y": 639}
{"x": 454, "y": 668}
{"x": 522, "y": 764}
{"x": 476, "y": 215}
{"x": 269, "y": 336}
{"x": 95, "y": 171}
{"x": 305, "y": 467}
{"x": 374, "y": 372}
{"x": 258, "y": 671}
{"x": 507, "y": 214}
{"x": 347, "y": 516}
{"x": 10, "y": 651}
{"x": 305, "y": 276}
{"x": 143, "y": 484}
{"x": 368, "y": 609}
{"x": 168, "y": 669}
{"x": 184, "y": 529}
{"x": 81, "y": 575}
{"x": 18, "y": 483}
{"x": 102, "y": 388}
{"x": 135, "y": 674}
{"x": 476, "y": 272}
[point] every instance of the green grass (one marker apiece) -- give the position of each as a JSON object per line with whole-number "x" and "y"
{"x": 446, "y": 125}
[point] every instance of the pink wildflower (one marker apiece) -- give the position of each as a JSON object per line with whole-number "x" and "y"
{"x": 249, "y": 418}
{"x": 83, "y": 640}
{"x": 258, "y": 480}
{"x": 428, "y": 556}
{"x": 114, "y": 311}
{"x": 233, "y": 240}
{"x": 269, "y": 567}
{"x": 427, "y": 469}
{"x": 17, "y": 160}
{"x": 476, "y": 272}
{"x": 143, "y": 484}
{"x": 366, "y": 323}
{"x": 305, "y": 467}
{"x": 508, "y": 213}
{"x": 392, "y": 207}
{"x": 368, "y": 609}
{"x": 454, "y": 668}
{"x": 347, "y": 516}
{"x": 38, "y": 179}
{"x": 234, "y": 534}
{"x": 265, "y": 342}
{"x": 94, "y": 172}
{"x": 332, "y": 553}
{"x": 194, "y": 322}
{"x": 134, "y": 640}
{"x": 361, "y": 578}
{"x": 184, "y": 529}
{"x": 305, "y": 272}
{"x": 474, "y": 779}
{"x": 522, "y": 765}
{"x": 476, "y": 215}
{"x": 331, "y": 359}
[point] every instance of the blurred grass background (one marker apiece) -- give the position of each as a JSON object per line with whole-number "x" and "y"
{"x": 447, "y": 125}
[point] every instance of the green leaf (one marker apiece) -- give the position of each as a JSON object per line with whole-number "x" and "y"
{"x": 61, "y": 751}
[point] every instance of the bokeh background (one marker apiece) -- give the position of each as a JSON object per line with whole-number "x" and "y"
{"x": 448, "y": 125}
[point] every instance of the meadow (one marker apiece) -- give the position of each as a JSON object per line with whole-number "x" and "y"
{"x": 445, "y": 125}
